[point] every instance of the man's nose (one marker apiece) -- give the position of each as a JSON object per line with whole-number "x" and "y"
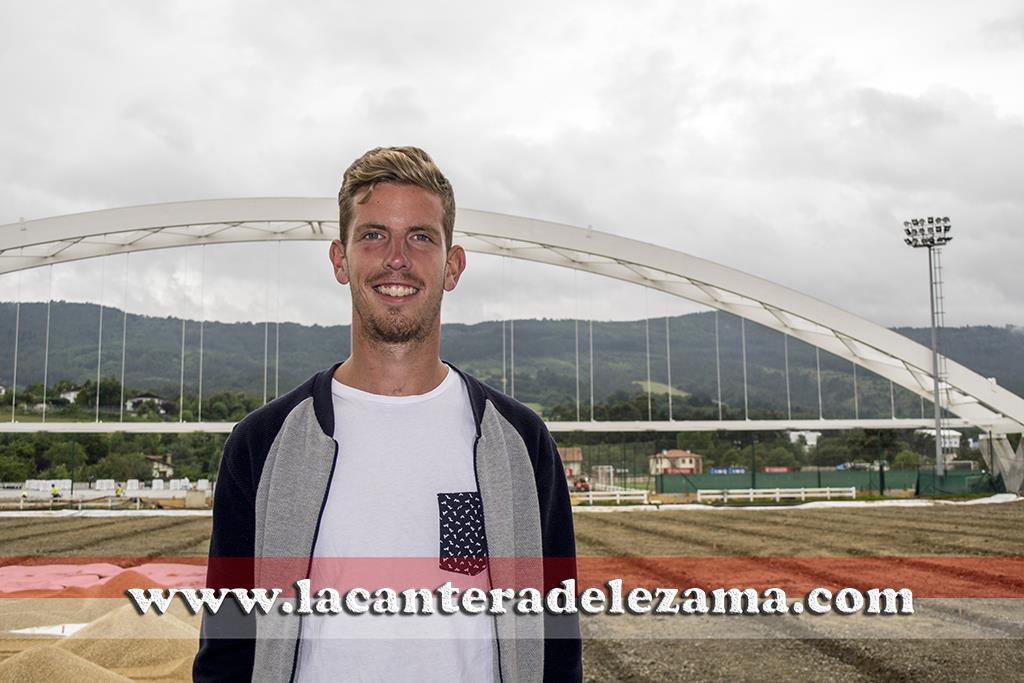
{"x": 397, "y": 259}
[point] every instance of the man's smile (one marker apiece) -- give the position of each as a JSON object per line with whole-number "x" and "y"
{"x": 395, "y": 291}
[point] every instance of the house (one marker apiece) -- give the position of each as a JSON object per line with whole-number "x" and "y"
{"x": 572, "y": 460}
{"x": 810, "y": 438}
{"x": 676, "y": 461}
{"x": 950, "y": 438}
{"x": 133, "y": 404}
{"x": 162, "y": 468}
{"x": 71, "y": 394}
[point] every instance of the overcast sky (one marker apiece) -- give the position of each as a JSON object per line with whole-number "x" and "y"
{"x": 789, "y": 139}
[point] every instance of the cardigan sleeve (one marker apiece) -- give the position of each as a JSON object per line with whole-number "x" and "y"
{"x": 563, "y": 652}
{"x": 227, "y": 638}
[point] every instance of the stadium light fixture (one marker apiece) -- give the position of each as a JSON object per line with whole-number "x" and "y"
{"x": 937, "y": 235}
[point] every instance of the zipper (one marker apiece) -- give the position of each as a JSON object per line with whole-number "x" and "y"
{"x": 490, "y": 580}
{"x": 312, "y": 551}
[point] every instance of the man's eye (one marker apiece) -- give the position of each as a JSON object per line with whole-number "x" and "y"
{"x": 422, "y": 237}
{"x": 372, "y": 235}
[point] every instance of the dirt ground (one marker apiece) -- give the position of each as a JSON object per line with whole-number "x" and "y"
{"x": 952, "y": 638}
{"x": 987, "y": 532}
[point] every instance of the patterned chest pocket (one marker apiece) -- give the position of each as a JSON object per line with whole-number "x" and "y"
{"x": 461, "y": 533}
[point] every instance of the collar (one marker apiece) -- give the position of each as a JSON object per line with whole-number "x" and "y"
{"x": 323, "y": 405}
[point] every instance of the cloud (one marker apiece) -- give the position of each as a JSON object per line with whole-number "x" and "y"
{"x": 782, "y": 139}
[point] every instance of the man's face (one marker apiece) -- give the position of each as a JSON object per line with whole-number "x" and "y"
{"x": 396, "y": 264}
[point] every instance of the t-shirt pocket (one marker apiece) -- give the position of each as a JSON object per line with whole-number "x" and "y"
{"x": 461, "y": 533}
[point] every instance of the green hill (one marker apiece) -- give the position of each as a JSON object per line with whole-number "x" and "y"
{"x": 545, "y": 363}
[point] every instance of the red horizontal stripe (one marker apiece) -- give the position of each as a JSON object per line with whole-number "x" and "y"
{"x": 926, "y": 576}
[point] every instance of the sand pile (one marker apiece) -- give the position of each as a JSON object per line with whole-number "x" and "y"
{"x": 18, "y": 613}
{"x": 50, "y": 663}
{"x": 124, "y": 640}
{"x": 172, "y": 672}
{"x": 114, "y": 586}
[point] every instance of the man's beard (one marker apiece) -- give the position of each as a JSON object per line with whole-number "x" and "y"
{"x": 393, "y": 327}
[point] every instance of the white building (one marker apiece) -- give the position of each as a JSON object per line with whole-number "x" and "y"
{"x": 950, "y": 438}
{"x": 676, "y": 461}
{"x": 810, "y": 438}
{"x": 133, "y": 404}
{"x": 161, "y": 464}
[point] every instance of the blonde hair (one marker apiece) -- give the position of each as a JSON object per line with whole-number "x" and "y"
{"x": 399, "y": 165}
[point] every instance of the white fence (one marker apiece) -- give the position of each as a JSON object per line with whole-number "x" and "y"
{"x": 725, "y": 495}
{"x": 618, "y": 496}
{"x": 45, "y": 484}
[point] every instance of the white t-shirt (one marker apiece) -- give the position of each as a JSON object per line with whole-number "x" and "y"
{"x": 403, "y": 499}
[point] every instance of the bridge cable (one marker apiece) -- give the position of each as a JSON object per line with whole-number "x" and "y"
{"x": 266, "y": 322}
{"x": 17, "y": 333}
{"x": 277, "y": 325}
{"x": 856, "y": 402}
{"x": 99, "y": 334}
{"x": 743, "y": 345}
{"x": 647, "y": 344}
{"x": 124, "y": 330}
{"x": 202, "y": 325}
{"x": 591, "y": 366}
{"x": 785, "y": 353}
{"x": 817, "y": 363}
{"x": 181, "y": 370}
{"x": 892, "y": 399}
{"x": 504, "y": 319}
{"x": 46, "y": 343}
{"x": 668, "y": 366}
{"x": 576, "y": 326}
{"x": 718, "y": 368}
{"x": 512, "y": 355}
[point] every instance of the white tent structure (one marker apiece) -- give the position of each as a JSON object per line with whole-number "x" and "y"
{"x": 976, "y": 400}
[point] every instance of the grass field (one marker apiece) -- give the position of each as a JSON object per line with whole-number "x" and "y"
{"x": 813, "y": 544}
{"x": 659, "y": 388}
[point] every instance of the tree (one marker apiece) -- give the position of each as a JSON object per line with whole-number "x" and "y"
{"x": 147, "y": 409}
{"x": 830, "y": 451}
{"x": 696, "y": 442}
{"x": 778, "y": 456}
{"x": 729, "y": 457}
{"x": 122, "y": 466}
{"x": 110, "y": 393}
{"x": 62, "y": 386}
{"x": 13, "y": 468}
{"x": 33, "y": 393}
{"x": 68, "y": 455}
{"x": 59, "y": 471}
{"x": 906, "y": 459}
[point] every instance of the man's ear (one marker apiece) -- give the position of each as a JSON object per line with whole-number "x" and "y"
{"x": 455, "y": 263}
{"x": 339, "y": 262}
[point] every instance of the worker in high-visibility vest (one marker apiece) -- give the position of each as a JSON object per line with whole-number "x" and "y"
{"x": 54, "y": 491}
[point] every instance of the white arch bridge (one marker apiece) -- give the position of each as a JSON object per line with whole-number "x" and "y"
{"x": 973, "y": 400}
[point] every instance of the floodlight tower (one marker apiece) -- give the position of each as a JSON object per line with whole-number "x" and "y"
{"x": 932, "y": 233}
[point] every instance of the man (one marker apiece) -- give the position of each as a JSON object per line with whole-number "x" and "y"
{"x": 394, "y": 457}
